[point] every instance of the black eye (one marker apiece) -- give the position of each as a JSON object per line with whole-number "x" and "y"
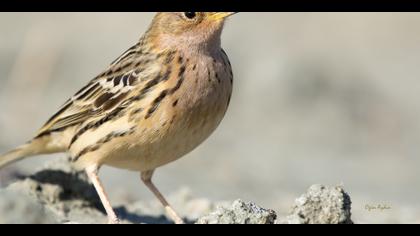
{"x": 190, "y": 15}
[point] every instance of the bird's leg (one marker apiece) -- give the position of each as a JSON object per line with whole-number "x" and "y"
{"x": 146, "y": 177}
{"x": 92, "y": 173}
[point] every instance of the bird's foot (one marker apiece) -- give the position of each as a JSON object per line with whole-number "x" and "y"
{"x": 114, "y": 221}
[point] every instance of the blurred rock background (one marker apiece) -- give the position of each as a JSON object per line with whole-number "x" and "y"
{"x": 319, "y": 98}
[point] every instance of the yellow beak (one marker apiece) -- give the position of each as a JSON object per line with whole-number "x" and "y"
{"x": 221, "y": 15}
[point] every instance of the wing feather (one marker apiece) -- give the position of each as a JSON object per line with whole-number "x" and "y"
{"x": 101, "y": 95}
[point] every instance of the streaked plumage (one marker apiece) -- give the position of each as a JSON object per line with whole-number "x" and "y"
{"x": 156, "y": 102}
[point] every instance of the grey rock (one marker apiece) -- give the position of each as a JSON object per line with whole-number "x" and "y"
{"x": 239, "y": 212}
{"x": 63, "y": 191}
{"x": 17, "y": 208}
{"x": 321, "y": 205}
{"x": 59, "y": 194}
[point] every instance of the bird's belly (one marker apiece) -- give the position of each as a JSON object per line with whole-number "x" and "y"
{"x": 174, "y": 131}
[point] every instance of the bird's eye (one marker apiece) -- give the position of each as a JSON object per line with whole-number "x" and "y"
{"x": 190, "y": 15}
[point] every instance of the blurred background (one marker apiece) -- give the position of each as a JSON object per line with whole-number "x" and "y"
{"x": 329, "y": 98}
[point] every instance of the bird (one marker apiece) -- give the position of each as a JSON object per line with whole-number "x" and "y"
{"x": 154, "y": 104}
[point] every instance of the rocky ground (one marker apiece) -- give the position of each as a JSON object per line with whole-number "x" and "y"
{"x": 59, "y": 194}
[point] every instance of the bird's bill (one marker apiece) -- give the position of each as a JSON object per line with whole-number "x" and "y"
{"x": 221, "y": 15}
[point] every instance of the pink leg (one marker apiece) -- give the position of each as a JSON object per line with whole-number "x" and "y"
{"x": 147, "y": 179}
{"x": 92, "y": 173}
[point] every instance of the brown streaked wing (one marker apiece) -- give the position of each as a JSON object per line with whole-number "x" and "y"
{"x": 93, "y": 102}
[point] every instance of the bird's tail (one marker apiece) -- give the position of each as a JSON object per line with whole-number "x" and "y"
{"x": 17, "y": 154}
{"x": 35, "y": 147}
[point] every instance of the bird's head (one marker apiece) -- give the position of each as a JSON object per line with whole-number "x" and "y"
{"x": 188, "y": 29}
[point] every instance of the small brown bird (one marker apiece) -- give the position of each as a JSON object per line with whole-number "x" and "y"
{"x": 155, "y": 103}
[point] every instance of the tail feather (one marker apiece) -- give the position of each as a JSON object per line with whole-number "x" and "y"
{"x": 44, "y": 145}
{"x": 17, "y": 154}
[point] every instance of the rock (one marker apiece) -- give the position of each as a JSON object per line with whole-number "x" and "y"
{"x": 17, "y": 208}
{"x": 59, "y": 194}
{"x": 239, "y": 213}
{"x": 321, "y": 205}
{"x": 64, "y": 192}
